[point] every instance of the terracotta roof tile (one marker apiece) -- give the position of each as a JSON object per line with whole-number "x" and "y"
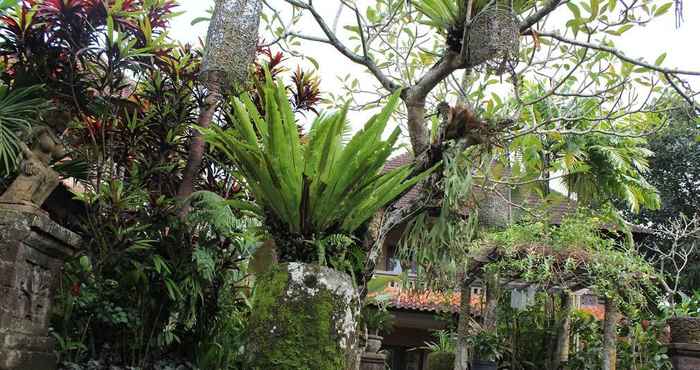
{"x": 426, "y": 300}
{"x": 597, "y": 311}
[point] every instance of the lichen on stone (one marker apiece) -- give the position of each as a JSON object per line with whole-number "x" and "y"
{"x": 304, "y": 317}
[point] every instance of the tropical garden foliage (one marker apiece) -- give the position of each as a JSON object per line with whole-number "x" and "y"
{"x": 156, "y": 287}
{"x": 316, "y": 186}
{"x": 148, "y": 287}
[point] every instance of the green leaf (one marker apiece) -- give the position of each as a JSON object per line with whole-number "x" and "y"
{"x": 6, "y": 4}
{"x": 313, "y": 61}
{"x": 621, "y": 30}
{"x": 660, "y": 59}
{"x": 372, "y": 15}
{"x": 200, "y": 20}
{"x": 353, "y": 29}
{"x": 663, "y": 9}
{"x": 574, "y": 10}
{"x": 595, "y": 8}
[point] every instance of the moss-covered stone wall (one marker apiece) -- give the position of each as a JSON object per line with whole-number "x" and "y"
{"x": 441, "y": 361}
{"x": 304, "y": 317}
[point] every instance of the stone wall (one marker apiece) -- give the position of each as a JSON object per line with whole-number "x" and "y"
{"x": 685, "y": 356}
{"x": 32, "y": 251}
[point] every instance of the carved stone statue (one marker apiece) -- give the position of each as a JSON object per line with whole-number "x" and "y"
{"x": 36, "y": 180}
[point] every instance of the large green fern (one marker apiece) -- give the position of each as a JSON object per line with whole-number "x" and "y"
{"x": 447, "y": 15}
{"x": 605, "y": 166}
{"x": 317, "y": 187}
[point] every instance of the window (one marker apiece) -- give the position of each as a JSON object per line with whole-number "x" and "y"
{"x": 589, "y": 300}
{"x": 393, "y": 264}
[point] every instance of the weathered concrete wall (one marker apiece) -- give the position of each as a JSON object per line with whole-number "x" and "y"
{"x": 32, "y": 250}
{"x": 373, "y": 361}
{"x": 684, "y": 356}
{"x": 441, "y": 361}
{"x": 304, "y": 317}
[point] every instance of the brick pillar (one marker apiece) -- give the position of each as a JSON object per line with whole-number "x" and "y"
{"x": 32, "y": 251}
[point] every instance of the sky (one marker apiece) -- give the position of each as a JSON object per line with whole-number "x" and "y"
{"x": 682, "y": 44}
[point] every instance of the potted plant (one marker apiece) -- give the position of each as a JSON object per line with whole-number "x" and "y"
{"x": 314, "y": 194}
{"x": 486, "y": 348}
{"x": 442, "y": 351}
{"x": 674, "y": 245}
{"x": 684, "y": 320}
{"x": 378, "y": 320}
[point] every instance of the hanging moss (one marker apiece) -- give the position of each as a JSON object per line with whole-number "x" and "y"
{"x": 298, "y": 323}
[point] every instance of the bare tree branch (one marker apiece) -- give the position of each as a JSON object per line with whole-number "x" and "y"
{"x": 682, "y": 93}
{"x": 618, "y": 54}
{"x": 383, "y": 79}
{"x": 538, "y": 15}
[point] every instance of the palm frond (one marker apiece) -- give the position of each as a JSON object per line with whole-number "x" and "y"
{"x": 18, "y": 111}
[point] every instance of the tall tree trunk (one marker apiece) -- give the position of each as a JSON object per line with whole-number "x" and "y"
{"x": 231, "y": 41}
{"x": 197, "y": 145}
{"x": 491, "y": 307}
{"x": 561, "y": 352}
{"x": 465, "y": 308}
{"x": 610, "y": 335}
{"x": 417, "y": 129}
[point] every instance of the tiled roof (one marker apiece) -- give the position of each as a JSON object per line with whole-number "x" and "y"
{"x": 597, "y": 311}
{"x": 425, "y": 300}
{"x": 434, "y": 301}
{"x": 397, "y": 162}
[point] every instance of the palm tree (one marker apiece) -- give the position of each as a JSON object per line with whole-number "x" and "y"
{"x": 597, "y": 166}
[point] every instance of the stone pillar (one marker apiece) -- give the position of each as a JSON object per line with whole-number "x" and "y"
{"x": 684, "y": 356}
{"x": 32, "y": 251}
{"x": 372, "y": 361}
{"x": 304, "y": 317}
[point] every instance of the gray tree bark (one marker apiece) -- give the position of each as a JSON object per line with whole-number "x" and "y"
{"x": 561, "y": 352}
{"x": 610, "y": 335}
{"x": 492, "y": 293}
{"x": 462, "y": 350}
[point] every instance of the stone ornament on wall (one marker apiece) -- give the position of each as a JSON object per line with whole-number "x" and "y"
{"x": 32, "y": 251}
{"x": 36, "y": 180}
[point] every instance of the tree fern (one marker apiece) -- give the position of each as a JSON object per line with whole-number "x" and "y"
{"x": 211, "y": 209}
